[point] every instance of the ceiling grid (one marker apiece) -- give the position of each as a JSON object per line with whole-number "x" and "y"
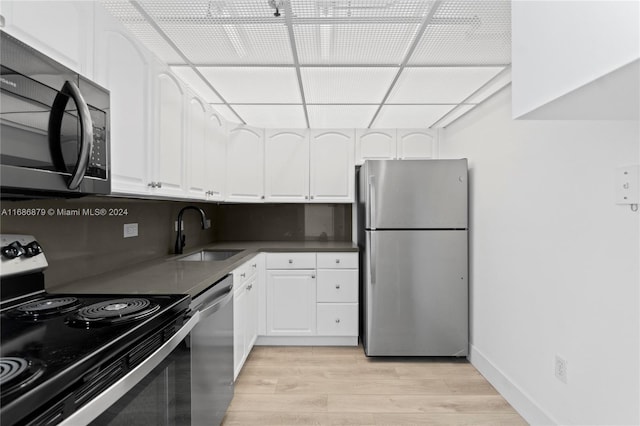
{"x": 330, "y": 63}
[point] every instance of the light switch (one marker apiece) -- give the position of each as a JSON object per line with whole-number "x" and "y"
{"x": 130, "y": 230}
{"x": 628, "y": 185}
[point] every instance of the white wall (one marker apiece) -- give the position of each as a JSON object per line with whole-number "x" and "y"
{"x": 559, "y": 46}
{"x": 554, "y": 262}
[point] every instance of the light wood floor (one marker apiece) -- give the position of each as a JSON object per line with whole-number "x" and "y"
{"x": 341, "y": 386}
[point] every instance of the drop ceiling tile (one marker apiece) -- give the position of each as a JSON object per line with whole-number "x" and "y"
{"x": 464, "y": 32}
{"x": 410, "y": 116}
{"x": 223, "y": 32}
{"x": 439, "y": 85}
{"x": 346, "y": 85}
{"x": 273, "y": 116}
{"x": 340, "y": 116}
{"x": 407, "y": 10}
{"x": 499, "y": 82}
{"x": 353, "y": 43}
{"x": 453, "y": 115}
{"x": 255, "y": 85}
{"x": 126, "y": 13}
{"x": 194, "y": 81}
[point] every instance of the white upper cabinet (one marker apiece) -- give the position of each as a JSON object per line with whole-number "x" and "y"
{"x": 286, "y": 165}
{"x": 245, "y": 165}
{"x": 197, "y": 123}
{"x": 332, "y": 174}
{"x": 168, "y": 134}
{"x": 62, "y": 30}
{"x": 122, "y": 66}
{"x": 216, "y": 157}
{"x": 416, "y": 144}
{"x": 375, "y": 144}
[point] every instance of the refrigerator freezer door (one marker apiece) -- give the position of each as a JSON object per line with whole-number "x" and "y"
{"x": 415, "y": 194}
{"x": 415, "y": 293}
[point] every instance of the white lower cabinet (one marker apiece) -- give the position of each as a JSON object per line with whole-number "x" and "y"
{"x": 311, "y": 299}
{"x": 291, "y": 302}
{"x": 246, "y": 281}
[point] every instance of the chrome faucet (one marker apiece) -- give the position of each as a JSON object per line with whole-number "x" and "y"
{"x": 180, "y": 236}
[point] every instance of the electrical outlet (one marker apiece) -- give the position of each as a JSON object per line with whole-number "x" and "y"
{"x": 130, "y": 230}
{"x": 561, "y": 369}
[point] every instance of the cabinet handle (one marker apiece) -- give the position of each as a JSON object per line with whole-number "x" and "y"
{"x": 337, "y": 286}
{"x": 337, "y": 260}
{"x": 152, "y": 184}
{"x": 159, "y": 184}
{"x": 337, "y": 320}
{"x": 250, "y": 286}
{"x": 313, "y": 276}
{"x": 312, "y": 197}
{"x": 290, "y": 260}
{"x": 243, "y": 275}
{"x": 306, "y": 197}
{"x": 255, "y": 265}
{"x": 262, "y": 197}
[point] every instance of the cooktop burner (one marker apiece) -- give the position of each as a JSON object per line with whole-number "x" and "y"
{"x": 46, "y": 307}
{"x": 113, "y": 312}
{"x": 16, "y": 372}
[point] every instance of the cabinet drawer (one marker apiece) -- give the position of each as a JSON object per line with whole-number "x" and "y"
{"x": 291, "y": 260}
{"x": 337, "y": 285}
{"x": 243, "y": 273}
{"x": 337, "y": 319}
{"x": 338, "y": 260}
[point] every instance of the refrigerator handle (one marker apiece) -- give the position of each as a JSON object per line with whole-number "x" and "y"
{"x": 372, "y": 258}
{"x": 372, "y": 202}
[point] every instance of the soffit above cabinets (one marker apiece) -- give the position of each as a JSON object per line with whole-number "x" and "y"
{"x": 331, "y": 63}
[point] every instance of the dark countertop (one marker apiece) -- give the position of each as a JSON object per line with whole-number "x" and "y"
{"x": 169, "y": 276}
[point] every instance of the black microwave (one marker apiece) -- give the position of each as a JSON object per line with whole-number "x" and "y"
{"x": 54, "y": 127}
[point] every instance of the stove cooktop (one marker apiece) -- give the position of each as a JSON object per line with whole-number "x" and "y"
{"x": 54, "y": 347}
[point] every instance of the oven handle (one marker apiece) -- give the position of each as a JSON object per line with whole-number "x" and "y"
{"x": 99, "y": 404}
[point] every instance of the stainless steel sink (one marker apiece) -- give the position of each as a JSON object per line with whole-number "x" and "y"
{"x": 209, "y": 256}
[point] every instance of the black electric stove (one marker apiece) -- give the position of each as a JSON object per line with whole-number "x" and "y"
{"x": 58, "y": 351}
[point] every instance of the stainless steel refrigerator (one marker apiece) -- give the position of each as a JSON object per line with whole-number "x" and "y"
{"x": 412, "y": 223}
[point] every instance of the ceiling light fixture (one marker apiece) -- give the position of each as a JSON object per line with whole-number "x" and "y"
{"x": 276, "y": 4}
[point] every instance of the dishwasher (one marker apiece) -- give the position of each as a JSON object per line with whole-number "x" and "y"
{"x": 211, "y": 342}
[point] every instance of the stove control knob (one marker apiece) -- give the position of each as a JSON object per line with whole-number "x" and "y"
{"x": 32, "y": 249}
{"x": 13, "y": 250}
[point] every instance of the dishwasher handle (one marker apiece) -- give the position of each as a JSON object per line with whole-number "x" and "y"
{"x": 217, "y": 304}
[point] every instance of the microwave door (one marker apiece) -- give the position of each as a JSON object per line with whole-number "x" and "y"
{"x": 64, "y": 126}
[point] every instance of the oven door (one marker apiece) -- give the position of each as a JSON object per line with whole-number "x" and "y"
{"x": 156, "y": 392}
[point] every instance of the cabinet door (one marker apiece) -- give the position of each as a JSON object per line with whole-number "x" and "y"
{"x": 123, "y": 67}
{"x": 197, "y": 122}
{"x": 286, "y": 165}
{"x": 168, "y": 160}
{"x": 291, "y": 303}
{"x": 245, "y": 165}
{"x": 216, "y": 157}
{"x": 252, "y": 313}
{"x": 379, "y": 144}
{"x": 416, "y": 144}
{"x": 239, "y": 329}
{"x": 332, "y": 166}
{"x": 62, "y": 30}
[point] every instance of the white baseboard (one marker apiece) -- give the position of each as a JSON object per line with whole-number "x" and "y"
{"x": 519, "y": 400}
{"x": 307, "y": 341}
